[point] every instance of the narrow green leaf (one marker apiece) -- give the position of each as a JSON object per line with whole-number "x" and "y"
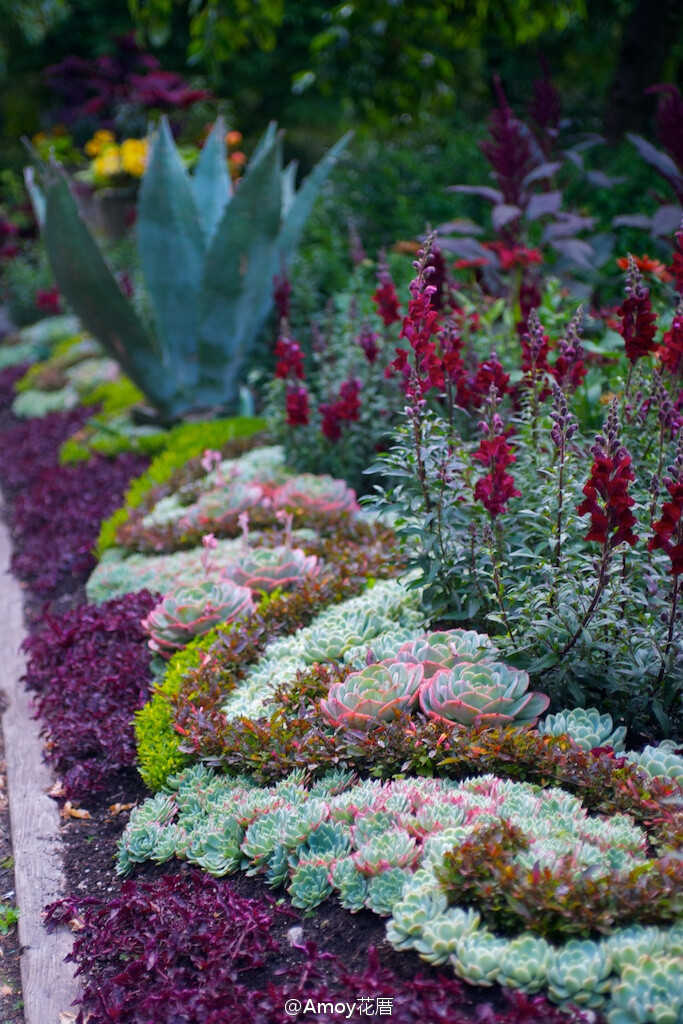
{"x": 302, "y": 204}
{"x": 36, "y": 195}
{"x": 86, "y": 282}
{"x": 262, "y": 146}
{"x": 289, "y": 186}
{"x": 238, "y": 276}
{"x": 211, "y": 183}
{"x": 171, "y": 247}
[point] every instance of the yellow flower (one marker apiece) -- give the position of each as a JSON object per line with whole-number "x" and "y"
{"x": 108, "y": 164}
{"x": 134, "y": 156}
{"x": 99, "y": 142}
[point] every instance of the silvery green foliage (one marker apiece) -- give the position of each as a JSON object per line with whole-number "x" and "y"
{"x": 660, "y": 761}
{"x": 525, "y": 963}
{"x": 34, "y": 404}
{"x": 385, "y": 645}
{"x": 120, "y": 573}
{"x": 477, "y": 957}
{"x": 357, "y": 839}
{"x": 194, "y": 609}
{"x": 586, "y": 727}
{"x": 581, "y": 974}
{"x": 386, "y": 606}
{"x": 650, "y": 991}
{"x": 373, "y": 694}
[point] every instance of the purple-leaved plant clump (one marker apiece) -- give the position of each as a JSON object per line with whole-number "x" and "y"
{"x": 91, "y": 670}
{"x": 181, "y": 949}
{"x": 56, "y": 519}
{"x": 30, "y": 447}
{"x": 8, "y": 378}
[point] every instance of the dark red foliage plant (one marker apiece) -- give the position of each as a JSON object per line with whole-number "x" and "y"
{"x": 187, "y": 949}
{"x": 90, "y": 668}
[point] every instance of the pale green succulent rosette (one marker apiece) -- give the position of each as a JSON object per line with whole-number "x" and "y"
{"x": 268, "y": 569}
{"x": 485, "y": 693}
{"x": 191, "y": 611}
{"x": 586, "y": 727}
{"x": 376, "y": 694}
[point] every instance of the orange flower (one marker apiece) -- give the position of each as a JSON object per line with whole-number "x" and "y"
{"x": 233, "y": 139}
{"x": 646, "y": 265}
{"x": 237, "y": 159}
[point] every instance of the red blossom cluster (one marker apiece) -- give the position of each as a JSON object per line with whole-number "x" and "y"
{"x": 296, "y": 405}
{"x": 638, "y": 322}
{"x": 290, "y": 358}
{"x": 511, "y": 256}
{"x": 419, "y": 327}
{"x": 345, "y": 410}
{"x": 668, "y": 530}
{"x": 282, "y": 291}
{"x": 48, "y": 300}
{"x": 670, "y": 352}
{"x": 495, "y": 489}
{"x": 607, "y": 499}
{"x": 385, "y": 297}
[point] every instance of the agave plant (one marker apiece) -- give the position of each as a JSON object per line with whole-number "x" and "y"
{"x": 267, "y": 569}
{"x": 208, "y": 259}
{"x": 375, "y": 694}
{"x": 486, "y": 693}
{"x": 312, "y": 493}
{"x": 191, "y": 611}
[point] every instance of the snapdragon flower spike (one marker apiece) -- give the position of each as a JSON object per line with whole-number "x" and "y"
{"x": 546, "y": 106}
{"x": 385, "y": 297}
{"x": 345, "y": 409}
{"x": 296, "y": 405}
{"x": 670, "y": 352}
{"x": 638, "y": 322}
{"x": 489, "y": 372}
{"x": 419, "y": 327}
{"x": 290, "y": 358}
{"x": 535, "y": 366}
{"x": 495, "y": 489}
{"x": 570, "y": 369}
{"x": 607, "y": 499}
{"x": 564, "y": 425}
{"x": 668, "y": 530}
{"x": 368, "y": 340}
{"x": 282, "y": 291}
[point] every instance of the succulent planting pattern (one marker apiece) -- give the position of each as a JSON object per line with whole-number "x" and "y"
{"x": 313, "y": 493}
{"x": 452, "y": 675}
{"x": 587, "y": 728}
{"x": 188, "y": 612}
{"x": 661, "y": 761}
{"x": 117, "y": 574}
{"x": 386, "y": 606}
{"x": 268, "y": 569}
{"x": 379, "y": 846}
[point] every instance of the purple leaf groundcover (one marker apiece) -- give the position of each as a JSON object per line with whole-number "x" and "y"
{"x": 8, "y": 378}
{"x": 181, "y": 949}
{"x": 30, "y": 447}
{"x": 56, "y": 519}
{"x": 90, "y": 668}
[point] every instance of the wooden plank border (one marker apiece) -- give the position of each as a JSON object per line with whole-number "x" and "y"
{"x": 49, "y": 987}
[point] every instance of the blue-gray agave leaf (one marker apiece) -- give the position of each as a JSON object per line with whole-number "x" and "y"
{"x": 211, "y": 182}
{"x": 171, "y": 247}
{"x": 238, "y": 275}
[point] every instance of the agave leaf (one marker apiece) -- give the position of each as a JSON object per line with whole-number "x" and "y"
{"x": 85, "y": 280}
{"x": 302, "y": 203}
{"x": 211, "y": 183}
{"x": 36, "y": 195}
{"x": 289, "y": 186}
{"x": 237, "y": 287}
{"x": 171, "y": 247}
{"x": 262, "y": 146}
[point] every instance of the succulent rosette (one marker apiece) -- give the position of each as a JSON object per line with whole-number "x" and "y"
{"x": 223, "y": 502}
{"x": 483, "y": 693}
{"x": 444, "y": 650}
{"x": 267, "y": 569}
{"x": 191, "y": 611}
{"x": 311, "y": 493}
{"x": 375, "y": 694}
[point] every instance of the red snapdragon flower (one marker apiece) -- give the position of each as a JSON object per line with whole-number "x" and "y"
{"x": 670, "y": 352}
{"x": 345, "y": 409}
{"x": 419, "y": 326}
{"x": 290, "y": 359}
{"x": 607, "y": 499}
{"x": 385, "y": 297}
{"x": 489, "y": 372}
{"x": 296, "y": 404}
{"x": 511, "y": 256}
{"x": 638, "y": 322}
{"x": 495, "y": 489}
{"x": 48, "y": 300}
{"x": 668, "y": 530}
{"x": 369, "y": 341}
{"x": 282, "y": 291}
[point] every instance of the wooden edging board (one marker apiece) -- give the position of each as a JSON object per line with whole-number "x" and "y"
{"x": 48, "y": 985}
